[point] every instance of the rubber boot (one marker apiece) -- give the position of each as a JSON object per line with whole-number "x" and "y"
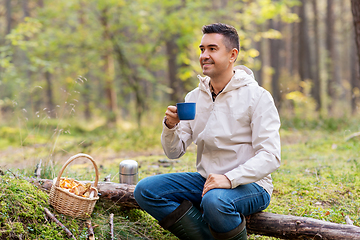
{"x": 239, "y": 233}
{"x": 186, "y": 223}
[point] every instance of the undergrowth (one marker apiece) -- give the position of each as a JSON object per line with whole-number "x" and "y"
{"x": 319, "y": 176}
{"x": 22, "y": 217}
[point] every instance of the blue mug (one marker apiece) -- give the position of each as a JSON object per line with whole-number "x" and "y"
{"x": 186, "y": 110}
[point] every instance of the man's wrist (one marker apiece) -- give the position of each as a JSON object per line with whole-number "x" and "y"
{"x": 167, "y": 124}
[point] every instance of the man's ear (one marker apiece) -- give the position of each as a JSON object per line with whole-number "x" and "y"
{"x": 234, "y": 53}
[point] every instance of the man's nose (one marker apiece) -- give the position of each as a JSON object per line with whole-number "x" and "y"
{"x": 204, "y": 54}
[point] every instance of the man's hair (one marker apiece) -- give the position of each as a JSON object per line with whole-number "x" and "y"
{"x": 231, "y": 37}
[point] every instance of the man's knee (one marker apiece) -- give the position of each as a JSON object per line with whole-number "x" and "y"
{"x": 214, "y": 203}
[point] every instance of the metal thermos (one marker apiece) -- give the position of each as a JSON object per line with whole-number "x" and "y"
{"x": 128, "y": 172}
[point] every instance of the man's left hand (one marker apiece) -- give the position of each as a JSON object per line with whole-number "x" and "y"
{"x": 216, "y": 181}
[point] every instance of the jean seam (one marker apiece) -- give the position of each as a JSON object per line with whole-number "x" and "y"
{"x": 252, "y": 195}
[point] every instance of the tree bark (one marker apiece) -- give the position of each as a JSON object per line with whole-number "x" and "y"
{"x": 304, "y": 46}
{"x": 275, "y": 46}
{"x": 259, "y": 46}
{"x": 355, "y": 8}
{"x": 330, "y": 53}
{"x": 49, "y": 94}
{"x": 109, "y": 69}
{"x": 8, "y": 16}
{"x": 355, "y": 79}
{"x": 294, "y": 45}
{"x": 294, "y": 227}
{"x": 172, "y": 52}
{"x": 316, "y": 91}
{"x": 121, "y": 194}
{"x": 263, "y": 223}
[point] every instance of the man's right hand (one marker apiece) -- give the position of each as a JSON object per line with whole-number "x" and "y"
{"x": 171, "y": 117}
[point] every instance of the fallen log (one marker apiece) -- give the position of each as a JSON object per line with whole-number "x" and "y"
{"x": 121, "y": 194}
{"x": 262, "y": 223}
{"x": 293, "y": 227}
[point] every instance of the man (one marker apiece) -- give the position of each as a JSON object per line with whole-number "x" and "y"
{"x": 236, "y": 130}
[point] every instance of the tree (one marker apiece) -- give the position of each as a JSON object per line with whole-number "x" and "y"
{"x": 330, "y": 49}
{"x": 355, "y": 9}
{"x": 275, "y": 47}
{"x": 316, "y": 90}
{"x": 305, "y": 70}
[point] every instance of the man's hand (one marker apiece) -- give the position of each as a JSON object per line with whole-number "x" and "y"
{"x": 216, "y": 181}
{"x": 171, "y": 117}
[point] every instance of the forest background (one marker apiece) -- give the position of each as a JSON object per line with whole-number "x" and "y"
{"x": 96, "y": 77}
{"x": 125, "y": 60}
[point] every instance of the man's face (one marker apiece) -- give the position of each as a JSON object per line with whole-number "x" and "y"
{"x": 214, "y": 57}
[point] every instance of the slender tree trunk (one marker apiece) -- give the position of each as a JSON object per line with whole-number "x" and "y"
{"x": 49, "y": 94}
{"x": 259, "y": 46}
{"x": 109, "y": 70}
{"x": 304, "y": 46}
{"x": 26, "y": 61}
{"x": 275, "y": 46}
{"x": 172, "y": 51}
{"x": 8, "y": 16}
{"x": 87, "y": 89}
{"x": 355, "y": 80}
{"x": 25, "y": 6}
{"x": 317, "y": 82}
{"x": 355, "y": 8}
{"x": 295, "y": 45}
{"x": 330, "y": 54}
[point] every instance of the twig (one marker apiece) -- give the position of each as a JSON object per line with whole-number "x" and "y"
{"x": 111, "y": 222}
{"x": 91, "y": 235}
{"x": 67, "y": 231}
{"x": 13, "y": 174}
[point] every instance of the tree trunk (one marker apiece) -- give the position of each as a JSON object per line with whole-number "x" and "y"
{"x": 355, "y": 82}
{"x": 121, "y": 194}
{"x": 354, "y": 76}
{"x": 259, "y": 46}
{"x": 109, "y": 70}
{"x": 294, "y": 227}
{"x": 172, "y": 51}
{"x": 295, "y": 45}
{"x": 330, "y": 54}
{"x": 304, "y": 46}
{"x": 25, "y": 6}
{"x": 87, "y": 88}
{"x": 49, "y": 95}
{"x": 264, "y": 223}
{"x": 275, "y": 46}
{"x": 8, "y": 16}
{"x": 316, "y": 91}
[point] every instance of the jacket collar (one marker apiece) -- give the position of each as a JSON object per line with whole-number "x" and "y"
{"x": 243, "y": 76}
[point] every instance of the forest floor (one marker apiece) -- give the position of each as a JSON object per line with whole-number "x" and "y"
{"x": 319, "y": 177}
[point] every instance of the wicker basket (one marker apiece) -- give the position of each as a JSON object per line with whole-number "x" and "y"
{"x": 68, "y": 203}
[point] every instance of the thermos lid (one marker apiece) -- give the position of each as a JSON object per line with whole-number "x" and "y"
{"x": 128, "y": 167}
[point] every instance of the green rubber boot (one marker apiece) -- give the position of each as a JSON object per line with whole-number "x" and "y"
{"x": 239, "y": 233}
{"x": 186, "y": 223}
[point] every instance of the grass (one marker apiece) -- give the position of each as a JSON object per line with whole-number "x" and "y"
{"x": 319, "y": 176}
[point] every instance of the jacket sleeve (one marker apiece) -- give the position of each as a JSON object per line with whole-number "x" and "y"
{"x": 175, "y": 141}
{"x": 265, "y": 125}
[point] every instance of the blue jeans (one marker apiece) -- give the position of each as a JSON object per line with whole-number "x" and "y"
{"x": 160, "y": 195}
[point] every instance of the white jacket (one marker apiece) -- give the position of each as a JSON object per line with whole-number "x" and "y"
{"x": 236, "y": 135}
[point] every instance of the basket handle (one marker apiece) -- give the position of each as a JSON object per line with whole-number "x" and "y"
{"x": 72, "y": 159}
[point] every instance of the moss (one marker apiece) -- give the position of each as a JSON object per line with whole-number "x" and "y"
{"x": 22, "y": 211}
